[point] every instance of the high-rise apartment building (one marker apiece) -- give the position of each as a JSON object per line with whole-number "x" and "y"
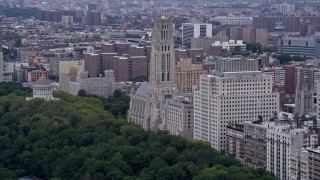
{"x": 94, "y": 18}
{"x": 284, "y": 9}
{"x": 188, "y": 75}
{"x": 127, "y": 68}
{"x": 231, "y": 97}
{"x": 290, "y": 79}
{"x": 68, "y": 72}
{"x": 194, "y": 30}
{"x": 147, "y": 103}
{"x": 248, "y": 35}
{"x": 290, "y": 23}
{"x": 92, "y": 64}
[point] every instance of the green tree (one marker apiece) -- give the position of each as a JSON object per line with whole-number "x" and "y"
{"x": 75, "y": 137}
{"x": 284, "y": 58}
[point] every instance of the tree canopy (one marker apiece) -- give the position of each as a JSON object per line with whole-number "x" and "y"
{"x": 76, "y": 138}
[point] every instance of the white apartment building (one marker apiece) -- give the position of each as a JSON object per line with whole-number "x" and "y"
{"x": 179, "y": 117}
{"x": 67, "y": 19}
{"x": 313, "y": 164}
{"x": 234, "y": 98}
{"x": 195, "y": 30}
{"x": 299, "y": 164}
{"x": 285, "y": 8}
{"x": 284, "y": 139}
{"x": 230, "y": 45}
{"x": 100, "y": 86}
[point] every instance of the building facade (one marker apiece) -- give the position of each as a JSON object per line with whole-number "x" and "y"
{"x": 188, "y": 75}
{"x": 255, "y": 144}
{"x": 100, "y": 86}
{"x": 217, "y": 103}
{"x": 306, "y": 46}
{"x": 191, "y": 30}
{"x": 235, "y": 142}
{"x": 179, "y": 117}
{"x": 313, "y": 164}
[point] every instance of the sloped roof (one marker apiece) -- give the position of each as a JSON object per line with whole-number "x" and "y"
{"x": 143, "y": 89}
{"x": 43, "y": 81}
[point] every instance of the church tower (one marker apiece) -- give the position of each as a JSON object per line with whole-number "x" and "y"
{"x": 163, "y": 84}
{"x": 162, "y": 63}
{"x": 147, "y": 103}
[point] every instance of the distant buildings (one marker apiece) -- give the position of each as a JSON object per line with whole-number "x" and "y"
{"x": 233, "y": 20}
{"x": 285, "y": 9}
{"x": 68, "y": 72}
{"x": 290, "y": 23}
{"x": 188, "y": 75}
{"x": 248, "y": 35}
{"x": 93, "y": 18}
{"x": 54, "y": 16}
{"x": 195, "y": 30}
{"x": 231, "y": 45}
{"x": 305, "y": 46}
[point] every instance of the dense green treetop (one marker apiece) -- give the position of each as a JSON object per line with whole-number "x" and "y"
{"x": 76, "y": 138}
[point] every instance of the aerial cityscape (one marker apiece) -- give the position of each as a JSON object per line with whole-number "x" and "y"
{"x": 158, "y": 89}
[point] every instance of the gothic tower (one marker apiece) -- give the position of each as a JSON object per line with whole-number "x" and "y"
{"x": 162, "y": 71}
{"x": 148, "y": 102}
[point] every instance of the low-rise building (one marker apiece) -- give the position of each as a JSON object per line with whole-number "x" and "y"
{"x": 42, "y": 89}
{"x": 100, "y": 86}
{"x": 179, "y": 115}
{"x": 235, "y": 141}
{"x": 231, "y": 45}
{"x": 314, "y": 164}
{"x": 255, "y": 143}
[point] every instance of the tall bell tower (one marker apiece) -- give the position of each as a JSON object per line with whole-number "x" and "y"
{"x": 162, "y": 80}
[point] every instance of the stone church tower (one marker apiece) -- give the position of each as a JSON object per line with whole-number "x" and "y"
{"x": 147, "y": 103}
